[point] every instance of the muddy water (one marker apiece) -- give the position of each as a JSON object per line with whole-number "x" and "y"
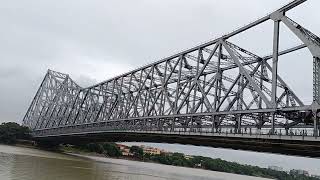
{"x": 17, "y": 163}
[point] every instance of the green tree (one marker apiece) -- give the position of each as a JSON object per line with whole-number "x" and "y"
{"x": 147, "y": 156}
{"x": 94, "y": 147}
{"x": 11, "y": 131}
{"x": 111, "y": 149}
{"x": 136, "y": 151}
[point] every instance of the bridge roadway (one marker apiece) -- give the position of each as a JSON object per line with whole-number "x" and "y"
{"x": 301, "y": 145}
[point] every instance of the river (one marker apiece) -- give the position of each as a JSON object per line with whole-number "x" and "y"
{"x": 19, "y": 163}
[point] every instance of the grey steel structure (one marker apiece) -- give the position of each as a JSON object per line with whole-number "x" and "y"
{"x": 206, "y": 88}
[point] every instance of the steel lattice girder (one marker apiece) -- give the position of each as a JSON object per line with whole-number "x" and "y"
{"x": 217, "y": 83}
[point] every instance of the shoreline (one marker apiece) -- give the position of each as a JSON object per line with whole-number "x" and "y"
{"x": 244, "y": 168}
{"x": 197, "y": 173}
{"x": 129, "y": 161}
{"x": 174, "y": 159}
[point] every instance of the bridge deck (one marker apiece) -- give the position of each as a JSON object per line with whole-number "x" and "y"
{"x": 207, "y": 134}
{"x": 289, "y": 145}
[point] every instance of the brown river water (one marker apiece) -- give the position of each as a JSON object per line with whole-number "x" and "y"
{"x": 19, "y": 163}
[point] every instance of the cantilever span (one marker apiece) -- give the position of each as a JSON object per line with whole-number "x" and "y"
{"x": 216, "y": 87}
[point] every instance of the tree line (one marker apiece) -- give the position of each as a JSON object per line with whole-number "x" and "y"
{"x": 10, "y": 132}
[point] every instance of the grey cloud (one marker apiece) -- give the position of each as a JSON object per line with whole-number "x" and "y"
{"x": 95, "y": 40}
{"x": 85, "y": 81}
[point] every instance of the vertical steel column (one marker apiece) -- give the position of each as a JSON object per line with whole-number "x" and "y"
{"x": 200, "y": 58}
{"x": 213, "y": 117}
{"x": 196, "y": 84}
{"x": 140, "y": 91}
{"x": 218, "y": 81}
{"x": 149, "y": 89}
{"x": 203, "y": 95}
{"x": 163, "y": 99}
{"x": 316, "y": 79}
{"x": 316, "y": 92}
{"x": 239, "y": 104}
{"x": 275, "y": 70}
{"x": 315, "y": 123}
{"x": 130, "y": 95}
{"x": 188, "y": 98}
{"x": 111, "y": 104}
{"x": 217, "y": 93}
{"x": 178, "y": 85}
{"x": 120, "y": 93}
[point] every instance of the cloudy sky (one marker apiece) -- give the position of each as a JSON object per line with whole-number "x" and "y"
{"x": 96, "y": 40}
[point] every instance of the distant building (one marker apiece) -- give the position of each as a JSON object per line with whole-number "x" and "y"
{"x": 123, "y": 147}
{"x": 299, "y": 172}
{"x": 151, "y": 150}
{"x": 315, "y": 176}
{"x": 276, "y": 168}
{"x": 188, "y": 157}
{"x": 125, "y": 150}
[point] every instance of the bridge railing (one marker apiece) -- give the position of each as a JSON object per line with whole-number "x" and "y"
{"x": 293, "y": 134}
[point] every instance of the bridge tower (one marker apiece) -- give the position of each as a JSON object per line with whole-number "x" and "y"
{"x": 312, "y": 42}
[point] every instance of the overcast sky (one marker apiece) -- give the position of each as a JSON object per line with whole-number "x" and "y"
{"x": 93, "y": 40}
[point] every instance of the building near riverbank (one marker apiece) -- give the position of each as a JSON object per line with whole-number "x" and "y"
{"x": 276, "y": 168}
{"x": 299, "y": 172}
{"x": 152, "y": 150}
{"x": 315, "y": 176}
{"x": 125, "y": 150}
{"x": 188, "y": 157}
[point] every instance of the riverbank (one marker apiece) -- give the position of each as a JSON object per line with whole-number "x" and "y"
{"x": 109, "y": 151}
{"x": 187, "y": 172}
{"x": 180, "y": 160}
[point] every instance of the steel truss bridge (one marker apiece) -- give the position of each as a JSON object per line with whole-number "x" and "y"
{"x": 216, "y": 89}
